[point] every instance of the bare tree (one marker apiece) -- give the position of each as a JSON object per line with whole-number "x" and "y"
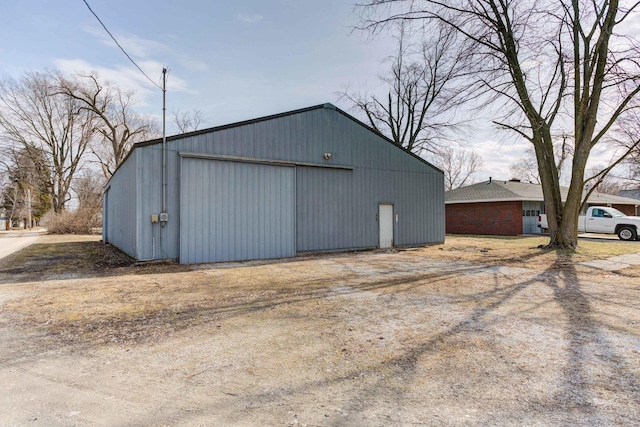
{"x": 607, "y": 185}
{"x": 549, "y": 63}
{"x": 26, "y": 184}
{"x": 634, "y": 168}
{"x": 9, "y": 193}
{"x": 188, "y": 121}
{"x": 32, "y": 171}
{"x": 624, "y": 137}
{"x": 423, "y": 84}
{"x": 458, "y": 166}
{"x": 4, "y": 177}
{"x": 526, "y": 167}
{"x": 34, "y": 118}
{"x": 88, "y": 188}
{"x": 11, "y": 201}
{"x": 116, "y": 122}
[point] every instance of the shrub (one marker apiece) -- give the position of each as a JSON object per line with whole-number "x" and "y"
{"x": 82, "y": 221}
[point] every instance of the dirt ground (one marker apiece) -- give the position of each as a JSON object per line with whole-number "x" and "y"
{"x": 475, "y": 332}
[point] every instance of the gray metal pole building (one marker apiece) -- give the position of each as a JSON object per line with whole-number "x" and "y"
{"x": 314, "y": 179}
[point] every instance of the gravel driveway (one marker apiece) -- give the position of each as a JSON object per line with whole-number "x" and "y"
{"x": 474, "y": 332}
{"x": 11, "y": 244}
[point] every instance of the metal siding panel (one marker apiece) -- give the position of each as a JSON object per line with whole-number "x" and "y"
{"x": 153, "y": 239}
{"x": 198, "y": 213}
{"x": 242, "y": 241}
{"x": 291, "y": 144}
{"x": 245, "y": 141}
{"x": 121, "y": 209}
{"x": 105, "y": 217}
{"x": 303, "y": 137}
{"x": 252, "y": 207}
{"x": 264, "y": 220}
{"x": 325, "y": 210}
{"x": 248, "y": 216}
{"x": 234, "y": 217}
{"x": 186, "y": 218}
{"x": 170, "y": 230}
{"x": 126, "y": 210}
{"x": 384, "y": 173}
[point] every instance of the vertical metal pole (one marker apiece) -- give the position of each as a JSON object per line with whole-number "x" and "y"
{"x": 164, "y": 140}
{"x": 29, "y": 205}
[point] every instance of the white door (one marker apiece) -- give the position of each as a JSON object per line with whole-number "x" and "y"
{"x": 385, "y": 224}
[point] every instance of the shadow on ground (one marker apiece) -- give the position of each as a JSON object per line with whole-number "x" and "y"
{"x": 590, "y": 362}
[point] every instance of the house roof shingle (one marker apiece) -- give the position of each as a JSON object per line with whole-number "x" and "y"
{"x": 633, "y": 194}
{"x": 502, "y": 191}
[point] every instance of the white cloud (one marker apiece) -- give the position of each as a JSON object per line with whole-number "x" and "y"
{"x": 140, "y": 48}
{"x": 249, "y": 18}
{"x": 134, "y": 45}
{"x": 498, "y": 156}
{"x": 126, "y": 77}
{"x": 193, "y": 64}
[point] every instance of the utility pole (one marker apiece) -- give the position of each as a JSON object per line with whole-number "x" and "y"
{"x": 29, "y": 206}
{"x": 164, "y": 217}
{"x": 15, "y": 202}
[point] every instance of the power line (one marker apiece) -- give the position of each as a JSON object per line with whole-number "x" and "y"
{"x": 121, "y": 48}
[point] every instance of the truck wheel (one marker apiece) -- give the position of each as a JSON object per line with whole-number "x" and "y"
{"x": 627, "y": 233}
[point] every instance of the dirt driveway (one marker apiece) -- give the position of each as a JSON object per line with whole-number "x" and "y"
{"x": 9, "y": 245}
{"x": 474, "y": 332}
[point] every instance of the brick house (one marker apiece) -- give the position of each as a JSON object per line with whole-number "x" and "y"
{"x": 632, "y": 194}
{"x": 509, "y": 208}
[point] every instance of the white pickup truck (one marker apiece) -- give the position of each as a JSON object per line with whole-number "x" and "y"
{"x": 604, "y": 220}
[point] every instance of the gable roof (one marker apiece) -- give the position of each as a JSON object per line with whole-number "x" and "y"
{"x": 504, "y": 191}
{"x": 233, "y": 125}
{"x": 326, "y": 105}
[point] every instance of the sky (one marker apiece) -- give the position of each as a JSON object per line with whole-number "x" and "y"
{"x": 233, "y": 60}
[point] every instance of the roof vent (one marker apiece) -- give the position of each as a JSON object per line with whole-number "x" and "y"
{"x": 514, "y": 180}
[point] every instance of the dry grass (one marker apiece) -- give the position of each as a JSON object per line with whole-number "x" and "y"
{"x": 478, "y": 331}
{"x": 128, "y": 302}
{"x": 524, "y": 251}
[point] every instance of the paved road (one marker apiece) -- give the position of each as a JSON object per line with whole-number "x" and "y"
{"x": 9, "y": 245}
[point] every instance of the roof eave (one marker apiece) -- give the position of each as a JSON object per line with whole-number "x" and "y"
{"x": 501, "y": 199}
